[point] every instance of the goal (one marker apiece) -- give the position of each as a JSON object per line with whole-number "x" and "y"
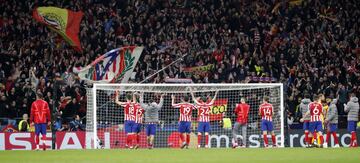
{"x": 105, "y": 119}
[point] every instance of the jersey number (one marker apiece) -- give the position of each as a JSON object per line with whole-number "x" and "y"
{"x": 267, "y": 111}
{"x": 131, "y": 110}
{"x": 316, "y": 111}
{"x": 204, "y": 111}
{"x": 187, "y": 110}
{"x": 139, "y": 112}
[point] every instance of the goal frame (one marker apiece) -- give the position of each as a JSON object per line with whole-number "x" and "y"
{"x": 282, "y": 109}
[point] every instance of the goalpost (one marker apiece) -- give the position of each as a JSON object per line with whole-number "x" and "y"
{"x": 105, "y": 119}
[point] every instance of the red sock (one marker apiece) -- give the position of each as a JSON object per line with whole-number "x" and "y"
{"x": 131, "y": 139}
{"x": 321, "y": 139}
{"x": 315, "y": 136}
{"x": 199, "y": 139}
{"x": 206, "y": 139}
{"x": 328, "y": 135}
{"x": 37, "y": 139}
{"x": 273, "y": 138}
{"x": 266, "y": 142}
{"x": 188, "y": 139}
{"x": 134, "y": 139}
{"x": 181, "y": 138}
{"x": 137, "y": 139}
{"x": 307, "y": 136}
{"x": 310, "y": 139}
{"x": 353, "y": 139}
{"x": 336, "y": 140}
{"x": 128, "y": 140}
{"x": 43, "y": 138}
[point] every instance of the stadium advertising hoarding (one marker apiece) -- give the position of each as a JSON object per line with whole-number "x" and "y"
{"x": 25, "y": 140}
{"x": 76, "y": 140}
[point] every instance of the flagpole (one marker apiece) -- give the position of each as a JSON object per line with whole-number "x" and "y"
{"x": 147, "y": 78}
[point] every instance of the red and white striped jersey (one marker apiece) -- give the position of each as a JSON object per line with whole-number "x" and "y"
{"x": 204, "y": 111}
{"x": 266, "y": 110}
{"x": 185, "y": 111}
{"x": 129, "y": 111}
{"x": 316, "y": 110}
{"x": 139, "y": 117}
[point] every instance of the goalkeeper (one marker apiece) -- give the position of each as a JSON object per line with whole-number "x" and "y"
{"x": 151, "y": 117}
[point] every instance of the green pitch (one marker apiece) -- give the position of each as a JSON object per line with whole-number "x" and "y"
{"x": 288, "y": 155}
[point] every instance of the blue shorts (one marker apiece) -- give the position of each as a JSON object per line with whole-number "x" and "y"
{"x": 266, "y": 125}
{"x": 184, "y": 127}
{"x": 332, "y": 127}
{"x": 204, "y": 127}
{"x": 137, "y": 127}
{"x": 129, "y": 127}
{"x": 306, "y": 125}
{"x": 315, "y": 126}
{"x": 150, "y": 129}
{"x": 40, "y": 128}
{"x": 351, "y": 126}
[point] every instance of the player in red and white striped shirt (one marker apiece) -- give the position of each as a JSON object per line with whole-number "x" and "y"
{"x": 139, "y": 118}
{"x": 316, "y": 111}
{"x": 203, "y": 117}
{"x": 266, "y": 111}
{"x": 184, "y": 119}
{"x": 129, "y": 118}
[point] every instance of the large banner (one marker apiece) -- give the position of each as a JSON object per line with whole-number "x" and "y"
{"x": 25, "y": 140}
{"x": 115, "y": 66}
{"x": 219, "y": 138}
{"x": 199, "y": 70}
{"x": 218, "y": 110}
{"x": 64, "y": 22}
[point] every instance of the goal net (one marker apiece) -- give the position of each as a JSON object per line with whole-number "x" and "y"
{"x": 105, "y": 119}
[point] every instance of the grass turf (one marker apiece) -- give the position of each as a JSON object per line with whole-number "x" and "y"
{"x": 288, "y": 155}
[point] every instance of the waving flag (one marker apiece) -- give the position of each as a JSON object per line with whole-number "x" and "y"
{"x": 62, "y": 21}
{"x": 114, "y": 66}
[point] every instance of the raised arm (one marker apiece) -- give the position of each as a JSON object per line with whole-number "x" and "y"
{"x": 134, "y": 97}
{"x": 159, "y": 106}
{"x": 173, "y": 101}
{"x": 117, "y": 99}
{"x": 213, "y": 100}
{"x": 144, "y": 106}
{"x": 193, "y": 97}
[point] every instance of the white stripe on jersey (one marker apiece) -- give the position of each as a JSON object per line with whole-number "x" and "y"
{"x": 314, "y": 118}
{"x": 268, "y": 118}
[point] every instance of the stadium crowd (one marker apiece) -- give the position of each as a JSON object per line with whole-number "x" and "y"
{"x": 310, "y": 47}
